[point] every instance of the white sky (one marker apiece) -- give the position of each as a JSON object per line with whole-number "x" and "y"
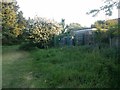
{"x": 70, "y": 10}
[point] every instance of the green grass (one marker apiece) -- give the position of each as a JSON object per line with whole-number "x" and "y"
{"x": 67, "y": 67}
{"x": 0, "y": 67}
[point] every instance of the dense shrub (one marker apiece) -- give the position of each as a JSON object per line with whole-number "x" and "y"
{"x": 27, "y": 46}
{"x": 41, "y": 31}
{"x": 13, "y": 23}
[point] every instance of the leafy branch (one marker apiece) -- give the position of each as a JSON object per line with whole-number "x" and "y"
{"x": 108, "y": 7}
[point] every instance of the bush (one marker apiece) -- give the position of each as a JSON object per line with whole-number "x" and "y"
{"x": 42, "y": 31}
{"x": 27, "y": 46}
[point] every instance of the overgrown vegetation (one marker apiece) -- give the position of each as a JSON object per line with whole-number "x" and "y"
{"x": 13, "y": 23}
{"x": 72, "y": 67}
{"x": 26, "y": 66}
{"x": 41, "y": 31}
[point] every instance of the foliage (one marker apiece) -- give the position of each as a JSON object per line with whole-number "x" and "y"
{"x": 66, "y": 33}
{"x": 113, "y": 31}
{"x": 12, "y": 25}
{"x": 102, "y": 24}
{"x": 107, "y": 30}
{"x": 75, "y": 67}
{"x": 27, "y": 46}
{"x": 109, "y": 4}
{"x": 41, "y": 31}
{"x": 100, "y": 36}
{"x": 73, "y": 26}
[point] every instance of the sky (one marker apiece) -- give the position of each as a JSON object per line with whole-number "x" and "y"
{"x": 73, "y": 11}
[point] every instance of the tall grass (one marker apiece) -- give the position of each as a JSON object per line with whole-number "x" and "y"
{"x": 65, "y": 67}
{"x": 78, "y": 66}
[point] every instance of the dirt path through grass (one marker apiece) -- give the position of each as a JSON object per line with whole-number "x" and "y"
{"x": 15, "y": 68}
{"x": 10, "y": 57}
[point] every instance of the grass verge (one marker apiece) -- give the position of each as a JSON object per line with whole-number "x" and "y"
{"x": 67, "y": 67}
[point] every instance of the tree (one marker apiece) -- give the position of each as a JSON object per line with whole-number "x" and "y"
{"x": 114, "y": 32}
{"x": 21, "y": 21}
{"x": 111, "y": 23}
{"x": 112, "y": 26}
{"x": 41, "y": 31}
{"x": 74, "y": 26}
{"x": 109, "y": 4}
{"x": 11, "y": 21}
{"x": 106, "y": 36}
{"x": 102, "y": 24}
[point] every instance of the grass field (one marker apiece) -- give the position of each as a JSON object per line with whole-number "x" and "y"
{"x": 67, "y": 67}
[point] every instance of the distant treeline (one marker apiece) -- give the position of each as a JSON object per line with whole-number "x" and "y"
{"x": 41, "y": 32}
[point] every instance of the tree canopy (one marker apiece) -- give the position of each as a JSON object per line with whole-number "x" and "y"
{"x": 41, "y": 31}
{"x": 74, "y": 26}
{"x": 102, "y": 24}
{"x": 13, "y": 21}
